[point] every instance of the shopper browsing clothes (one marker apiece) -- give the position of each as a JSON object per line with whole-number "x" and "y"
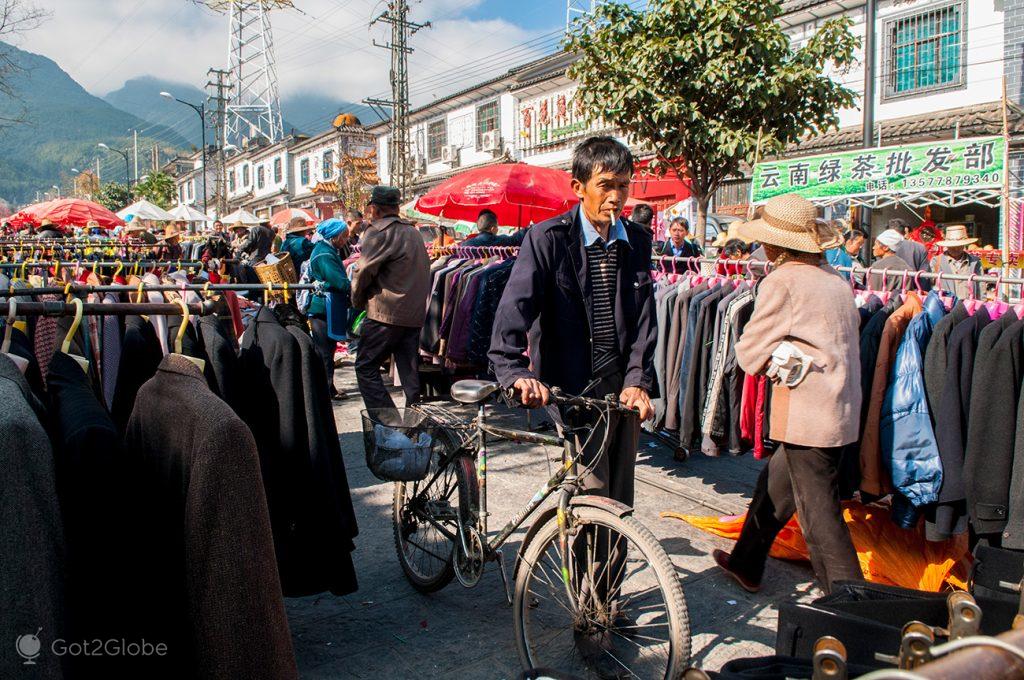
{"x": 328, "y": 307}
{"x": 296, "y": 241}
{"x": 886, "y": 260}
{"x": 392, "y": 282}
{"x": 816, "y": 396}
{"x": 572, "y": 293}
{"x": 956, "y": 260}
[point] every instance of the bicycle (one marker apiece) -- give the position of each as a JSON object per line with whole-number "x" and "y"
{"x": 586, "y": 566}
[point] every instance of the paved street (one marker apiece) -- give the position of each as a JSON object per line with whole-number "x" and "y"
{"x": 388, "y": 630}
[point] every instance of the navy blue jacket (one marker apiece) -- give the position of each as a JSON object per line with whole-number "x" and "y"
{"x": 488, "y": 239}
{"x": 549, "y": 298}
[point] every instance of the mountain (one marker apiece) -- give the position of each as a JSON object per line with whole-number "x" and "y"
{"x": 308, "y": 113}
{"x": 49, "y": 124}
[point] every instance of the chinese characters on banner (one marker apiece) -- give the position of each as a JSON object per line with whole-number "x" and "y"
{"x": 951, "y": 164}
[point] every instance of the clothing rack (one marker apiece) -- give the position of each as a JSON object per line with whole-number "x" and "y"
{"x": 475, "y": 251}
{"x": 910, "y": 275}
{"x": 101, "y": 263}
{"x": 104, "y": 309}
{"x": 82, "y": 289}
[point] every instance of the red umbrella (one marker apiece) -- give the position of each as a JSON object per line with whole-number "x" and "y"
{"x": 67, "y": 212}
{"x": 519, "y": 194}
{"x": 285, "y": 215}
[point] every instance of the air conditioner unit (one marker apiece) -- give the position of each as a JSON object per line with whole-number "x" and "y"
{"x": 450, "y": 155}
{"x": 491, "y": 141}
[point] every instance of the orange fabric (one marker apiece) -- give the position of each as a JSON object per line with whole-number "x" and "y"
{"x": 887, "y": 553}
{"x": 874, "y": 477}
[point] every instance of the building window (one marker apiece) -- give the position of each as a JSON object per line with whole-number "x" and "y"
{"x": 437, "y": 137}
{"x": 261, "y": 177}
{"x": 231, "y": 180}
{"x": 190, "y": 190}
{"x": 328, "y": 164}
{"x": 245, "y": 176}
{"x": 925, "y": 51}
{"x": 304, "y": 172}
{"x": 277, "y": 171}
{"x": 486, "y": 120}
{"x": 181, "y": 194}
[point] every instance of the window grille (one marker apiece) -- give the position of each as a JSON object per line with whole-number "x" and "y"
{"x": 924, "y": 52}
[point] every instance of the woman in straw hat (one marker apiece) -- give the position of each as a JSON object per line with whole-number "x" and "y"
{"x": 956, "y": 260}
{"x": 805, "y": 315}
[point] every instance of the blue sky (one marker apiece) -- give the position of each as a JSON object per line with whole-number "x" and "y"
{"x": 326, "y": 48}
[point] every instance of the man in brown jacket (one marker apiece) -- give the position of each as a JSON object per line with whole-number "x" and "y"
{"x": 392, "y": 283}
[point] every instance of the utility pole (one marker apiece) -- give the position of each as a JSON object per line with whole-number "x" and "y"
{"x": 399, "y": 162}
{"x": 218, "y": 88}
{"x": 135, "y": 145}
{"x": 97, "y": 169}
{"x": 868, "y": 102}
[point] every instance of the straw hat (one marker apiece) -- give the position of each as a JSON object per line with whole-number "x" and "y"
{"x": 92, "y": 224}
{"x": 239, "y": 225}
{"x": 955, "y": 236}
{"x": 301, "y": 228}
{"x": 789, "y": 221}
{"x": 135, "y": 225}
{"x": 726, "y": 236}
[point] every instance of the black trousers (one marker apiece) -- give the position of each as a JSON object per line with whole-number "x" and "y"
{"x": 802, "y": 480}
{"x": 599, "y": 554}
{"x": 325, "y": 346}
{"x": 378, "y": 342}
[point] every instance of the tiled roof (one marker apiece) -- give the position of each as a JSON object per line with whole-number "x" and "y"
{"x": 974, "y": 121}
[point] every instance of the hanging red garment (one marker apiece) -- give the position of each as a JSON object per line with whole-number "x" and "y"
{"x": 748, "y": 407}
{"x": 760, "y": 416}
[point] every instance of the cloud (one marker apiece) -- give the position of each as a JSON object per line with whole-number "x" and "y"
{"x": 325, "y": 48}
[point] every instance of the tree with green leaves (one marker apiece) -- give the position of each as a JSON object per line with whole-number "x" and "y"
{"x": 114, "y": 196}
{"x": 708, "y": 84}
{"x": 157, "y": 188}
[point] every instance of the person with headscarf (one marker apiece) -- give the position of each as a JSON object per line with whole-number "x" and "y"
{"x": 328, "y": 306}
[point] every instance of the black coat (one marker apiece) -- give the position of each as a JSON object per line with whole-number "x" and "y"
{"x": 549, "y": 298}
{"x": 308, "y": 540}
{"x": 221, "y": 349}
{"x": 935, "y": 357}
{"x": 212, "y": 590}
{"x": 991, "y": 427}
{"x": 91, "y": 482}
{"x": 140, "y": 356}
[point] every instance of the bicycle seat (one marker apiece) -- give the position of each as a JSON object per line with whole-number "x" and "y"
{"x": 473, "y": 391}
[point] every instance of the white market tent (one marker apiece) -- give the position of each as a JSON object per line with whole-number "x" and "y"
{"x": 145, "y": 210}
{"x": 189, "y": 214}
{"x": 240, "y": 215}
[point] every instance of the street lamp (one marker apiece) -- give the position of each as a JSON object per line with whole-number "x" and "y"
{"x": 54, "y": 186}
{"x": 201, "y": 110}
{"x": 127, "y": 170}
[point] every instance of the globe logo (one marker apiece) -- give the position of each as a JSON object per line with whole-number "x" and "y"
{"x": 28, "y": 647}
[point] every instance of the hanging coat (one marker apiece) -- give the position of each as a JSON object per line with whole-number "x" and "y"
{"x": 32, "y": 540}
{"x": 907, "y": 440}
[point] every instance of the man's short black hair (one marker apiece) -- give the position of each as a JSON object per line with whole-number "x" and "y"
{"x": 735, "y": 247}
{"x": 853, "y": 233}
{"x": 643, "y": 215}
{"x": 601, "y": 154}
{"x": 356, "y": 213}
{"x": 680, "y": 220}
{"x": 486, "y": 220}
{"x": 899, "y": 224}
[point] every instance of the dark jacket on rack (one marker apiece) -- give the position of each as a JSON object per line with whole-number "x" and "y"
{"x": 935, "y": 356}
{"x": 91, "y": 482}
{"x": 549, "y": 280}
{"x": 221, "y": 351}
{"x": 489, "y": 240}
{"x": 207, "y": 541}
{"x": 991, "y": 428}
{"x": 32, "y": 540}
{"x": 308, "y": 544}
{"x": 140, "y": 356}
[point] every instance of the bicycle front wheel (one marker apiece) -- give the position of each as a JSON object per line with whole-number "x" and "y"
{"x": 614, "y": 608}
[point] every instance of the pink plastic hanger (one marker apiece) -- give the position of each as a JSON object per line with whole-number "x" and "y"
{"x": 972, "y": 304}
{"x": 996, "y": 308}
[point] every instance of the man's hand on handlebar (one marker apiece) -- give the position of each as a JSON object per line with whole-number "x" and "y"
{"x": 532, "y": 393}
{"x": 636, "y": 398}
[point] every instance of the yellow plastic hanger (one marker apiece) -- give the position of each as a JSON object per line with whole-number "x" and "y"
{"x": 286, "y": 292}
{"x": 65, "y": 346}
{"x": 67, "y": 292}
{"x": 120, "y": 267}
{"x": 266, "y": 293}
{"x": 185, "y": 316}
{"x": 5, "y": 348}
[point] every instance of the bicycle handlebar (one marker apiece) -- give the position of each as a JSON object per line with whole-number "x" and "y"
{"x": 559, "y": 397}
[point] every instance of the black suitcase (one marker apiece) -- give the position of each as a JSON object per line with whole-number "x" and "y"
{"x": 993, "y": 565}
{"x": 869, "y": 618}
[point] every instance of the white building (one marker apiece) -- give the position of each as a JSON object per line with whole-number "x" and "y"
{"x": 189, "y": 182}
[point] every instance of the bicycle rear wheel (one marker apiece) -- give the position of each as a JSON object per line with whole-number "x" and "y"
{"x": 617, "y": 611}
{"x": 426, "y": 519}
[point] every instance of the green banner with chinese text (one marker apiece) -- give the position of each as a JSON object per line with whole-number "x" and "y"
{"x": 974, "y": 163}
